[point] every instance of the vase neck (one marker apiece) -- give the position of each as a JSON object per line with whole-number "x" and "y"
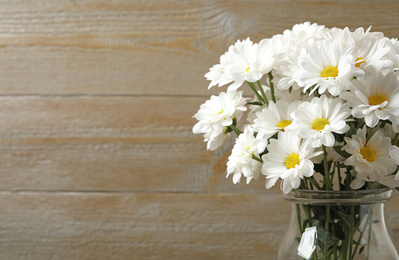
{"x": 339, "y": 197}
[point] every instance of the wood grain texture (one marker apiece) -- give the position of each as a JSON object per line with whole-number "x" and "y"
{"x": 107, "y": 143}
{"x": 97, "y": 156}
{"x": 49, "y": 225}
{"x": 37, "y": 225}
{"x": 149, "y": 47}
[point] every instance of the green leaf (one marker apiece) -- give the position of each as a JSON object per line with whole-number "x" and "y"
{"x": 325, "y": 237}
{"x": 319, "y": 168}
{"x": 256, "y": 103}
{"x": 341, "y": 152}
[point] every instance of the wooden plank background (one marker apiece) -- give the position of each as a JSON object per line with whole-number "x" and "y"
{"x": 97, "y": 157}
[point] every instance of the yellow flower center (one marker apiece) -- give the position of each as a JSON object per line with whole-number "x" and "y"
{"x": 284, "y": 123}
{"x": 320, "y": 124}
{"x": 361, "y": 60}
{"x": 330, "y": 71}
{"x": 368, "y": 153}
{"x": 292, "y": 160}
{"x": 375, "y": 100}
{"x": 248, "y": 69}
{"x": 221, "y": 111}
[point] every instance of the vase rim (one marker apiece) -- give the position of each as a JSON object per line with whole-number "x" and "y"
{"x": 371, "y": 196}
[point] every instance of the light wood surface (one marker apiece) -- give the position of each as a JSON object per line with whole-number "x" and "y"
{"x": 97, "y": 155}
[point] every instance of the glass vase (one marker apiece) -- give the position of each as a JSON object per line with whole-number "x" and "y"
{"x": 345, "y": 225}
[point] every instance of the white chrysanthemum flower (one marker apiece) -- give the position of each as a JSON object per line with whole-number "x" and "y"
{"x": 319, "y": 119}
{"x": 241, "y": 161}
{"x": 369, "y": 158}
{"x": 276, "y": 117}
{"x": 327, "y": 67}
{"x": 343, "y": 36}
{"x": 393, "y": 53}
{"x": 216, "y": 115}
{"x": 305, "y": 34}
{"x": 299, "y": 37}
{"x": 289, "y": 159}
{"x": 389, "y": 131}
{"x": 249, "y": 63}
{"x": 293, "y": 41}
{"x": 371, "y": 47}
{"x": 215, "y": 73}
{"x": 286, "y": 70}
{"x": 376, "y": 98}
{"x": 244, "y": 61}
{"x": 360, "y": 35}
{"x": 292, "y": 97}
{"x": 372, "y": 55}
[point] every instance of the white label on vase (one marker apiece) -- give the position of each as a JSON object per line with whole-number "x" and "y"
{"x": 308, "y": 243}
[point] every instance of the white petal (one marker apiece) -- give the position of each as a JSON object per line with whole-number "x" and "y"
{"x": 357, "y": 184}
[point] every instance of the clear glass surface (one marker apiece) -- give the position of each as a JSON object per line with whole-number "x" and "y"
{"x": 344, "y": 225}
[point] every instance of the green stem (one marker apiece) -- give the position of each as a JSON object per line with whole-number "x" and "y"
{"x": 272, "y": 86}
{"x": 235, "y": 129}
{"x": 263, "y": 93}
{"x": 343, "y": 218}
{"x": 315, "y": 93}
{"x": 339, "y": 175}
{"x": 370, "y": 223}
{"x": 335, "y": 247}
{"x": 257, "y": 159}
{"x": 252, "y": 86}
{"x": 361, "y": 235}
{"x": 351, "y": 228}
{"x": 314, "y": 182}
{"x": 327, "y": 180}
{"x": 328, "y": 184}
{"x": 327, "y": 228}
{"x": 369, "y": 134}
{"x": 298, "y": 218}
{"x": 348, "y": 180}
{"x": 333, "y": 172}
{"x": 395, "y": 139}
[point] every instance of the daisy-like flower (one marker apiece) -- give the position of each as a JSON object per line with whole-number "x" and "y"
{"x": 369, "y": 158}
{"x": 344, "y": 36}
{"x": 376, "y": 98}
{"x": 276, "y": 117}
{"x": 305, "y": 34}
{"x": 393, "y": 53}
{"x": 319, "y": 119}
{"x": 216, "y": 115}
{"x": 244, "y": 61}
{"x": 327, "y": 67}
{"x": 288, "y": 159}
{"x": 291, "y": 43}
{"x": 216, "y": 73}
{"x": 249, "y": 62}
{"x": 372, "y": 55}
{"x": 286, "y": 70}
{"x": 241, "y": 161}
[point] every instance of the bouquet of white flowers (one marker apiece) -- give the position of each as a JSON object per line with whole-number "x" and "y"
{"x": 325, "y": 115}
